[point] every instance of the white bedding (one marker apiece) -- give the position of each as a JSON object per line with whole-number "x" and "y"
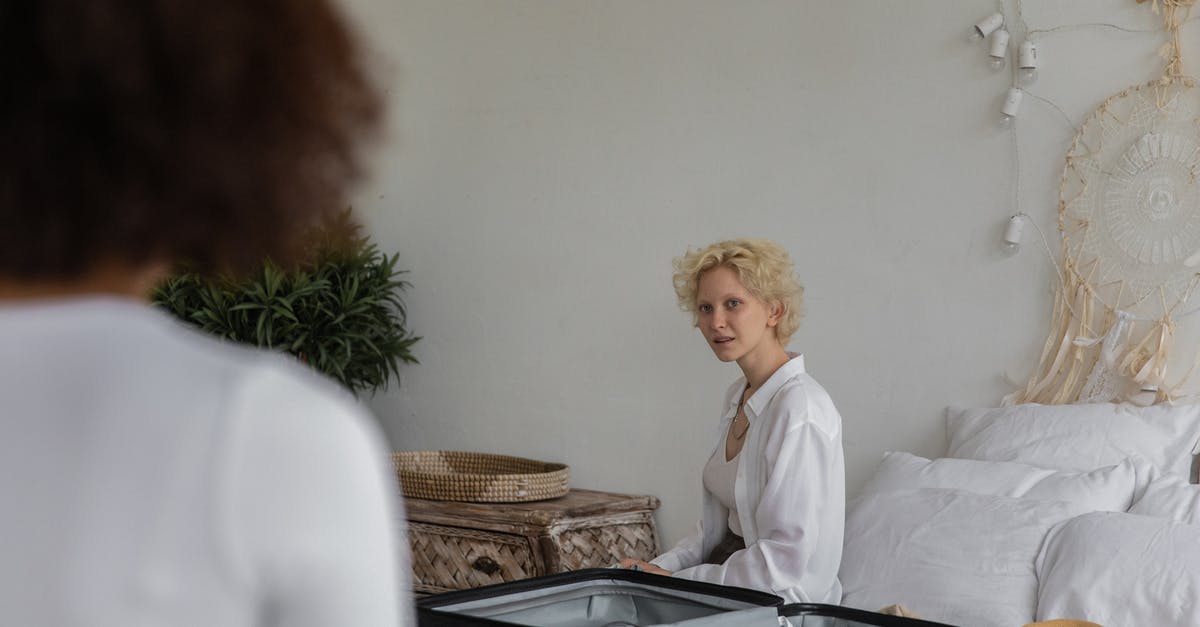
{"x": 948, "y": 555}
{"x": 1110, "y": 488}
{"x": 1172, "y": 498}
{"x": 1026, "y": 519}
{"x": 1077, "y": 437}
{"x": 1121, "y": 569}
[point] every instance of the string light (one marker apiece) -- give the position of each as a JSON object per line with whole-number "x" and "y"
{"x": 1012, "y": 104}
{"x": 1027, "y": 62}
{"x": 985, "y": 27}
{"x": 998, "y": 51}
{"x": 993, "y": 28}
{"x": 1012, "y": 233}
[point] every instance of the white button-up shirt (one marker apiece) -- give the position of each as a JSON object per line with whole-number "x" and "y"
{"x": 790, "y": 492}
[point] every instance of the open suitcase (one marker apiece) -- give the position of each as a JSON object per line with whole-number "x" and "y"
{"x": 602, "y": 597}
{"x": 599, "y": 597}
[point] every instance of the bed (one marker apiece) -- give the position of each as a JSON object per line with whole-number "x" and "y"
{"x": 1037, "y": 512}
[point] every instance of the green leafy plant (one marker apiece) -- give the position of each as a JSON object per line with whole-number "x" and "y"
{"x": 340, "y": 313}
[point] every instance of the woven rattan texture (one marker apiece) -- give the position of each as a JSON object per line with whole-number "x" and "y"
{"x": 478, "y": 477}
{"x": 451, "y": 558}
{"x": 594, "y": 547}
{"x": 458, "y": 545}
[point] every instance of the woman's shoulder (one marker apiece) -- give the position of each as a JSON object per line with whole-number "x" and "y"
{"x": 251, "y": 382}
{"x": 802, "y": 400}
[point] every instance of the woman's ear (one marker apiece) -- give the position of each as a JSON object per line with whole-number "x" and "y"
{"x": 774, "y": 313}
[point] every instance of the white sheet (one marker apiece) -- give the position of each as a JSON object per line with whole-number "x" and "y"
{"x": 1121, "y": 570}
{"x": 949, "y": 555}
{"x": 1170, "y": 497}
{"x": 1108, "y": 489}
{"x": 1077, "y": 437}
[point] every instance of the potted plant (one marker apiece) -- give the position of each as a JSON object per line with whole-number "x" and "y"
{"x": 340, "y": 311}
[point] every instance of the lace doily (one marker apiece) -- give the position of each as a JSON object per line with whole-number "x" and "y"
{"x": 1130, "y": 212}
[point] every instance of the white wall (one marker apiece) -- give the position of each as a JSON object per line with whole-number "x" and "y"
{"x": 548, "y": 158}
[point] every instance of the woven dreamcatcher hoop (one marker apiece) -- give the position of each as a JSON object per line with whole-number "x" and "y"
{"x": 1129, "y": 216}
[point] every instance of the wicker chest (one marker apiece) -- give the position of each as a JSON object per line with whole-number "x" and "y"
{"x": 464, "y": 545}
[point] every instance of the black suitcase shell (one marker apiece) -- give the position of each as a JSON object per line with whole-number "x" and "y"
{"x": 821, "y": 615}
{"x": 599, "y": 597}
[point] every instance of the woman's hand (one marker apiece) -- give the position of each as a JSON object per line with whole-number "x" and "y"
{"x": 644, "y": 567}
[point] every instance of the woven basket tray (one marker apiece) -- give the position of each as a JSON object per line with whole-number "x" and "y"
{"x": 478, "y": 477}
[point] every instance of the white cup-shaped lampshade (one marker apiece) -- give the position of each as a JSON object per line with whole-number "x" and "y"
{"x": 985, "y": 27}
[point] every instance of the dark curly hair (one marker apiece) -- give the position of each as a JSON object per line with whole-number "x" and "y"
{"x": 210, "y": 132}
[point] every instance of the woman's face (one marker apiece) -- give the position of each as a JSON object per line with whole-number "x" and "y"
{"x": 733, "y": 321}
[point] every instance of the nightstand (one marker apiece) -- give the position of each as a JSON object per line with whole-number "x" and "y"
{"x": 459, "y": 545}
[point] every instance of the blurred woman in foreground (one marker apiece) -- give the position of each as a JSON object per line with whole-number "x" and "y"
{"x": 152, "y": 475}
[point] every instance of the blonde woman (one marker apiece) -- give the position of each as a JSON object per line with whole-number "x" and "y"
{"x": 774, "y": 485}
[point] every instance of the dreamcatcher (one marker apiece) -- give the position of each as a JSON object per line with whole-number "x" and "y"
{"x": 1129, "y": 215}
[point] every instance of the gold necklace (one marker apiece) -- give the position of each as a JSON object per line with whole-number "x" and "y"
{"x": 741, "y": 433}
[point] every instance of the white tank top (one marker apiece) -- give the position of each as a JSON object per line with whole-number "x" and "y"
{"x": 719, "y": 476}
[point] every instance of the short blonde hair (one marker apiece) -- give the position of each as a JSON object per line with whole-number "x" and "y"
{"x": 761, "y": 265}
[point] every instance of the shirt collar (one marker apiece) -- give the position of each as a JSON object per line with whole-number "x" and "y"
{"x": 792, "y": 367}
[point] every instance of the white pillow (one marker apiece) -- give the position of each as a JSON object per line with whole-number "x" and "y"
{"x": 948, "y": 555}
{"x": 1077, "y": 437}
{"x": 1121, "y": 569}
{"x": 1109, "y": 489}
{"x": 1170, "y": 497}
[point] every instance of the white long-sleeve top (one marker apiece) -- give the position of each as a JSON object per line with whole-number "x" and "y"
{"x": 154, "y": 476}
{"x": 790, "y": 494}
